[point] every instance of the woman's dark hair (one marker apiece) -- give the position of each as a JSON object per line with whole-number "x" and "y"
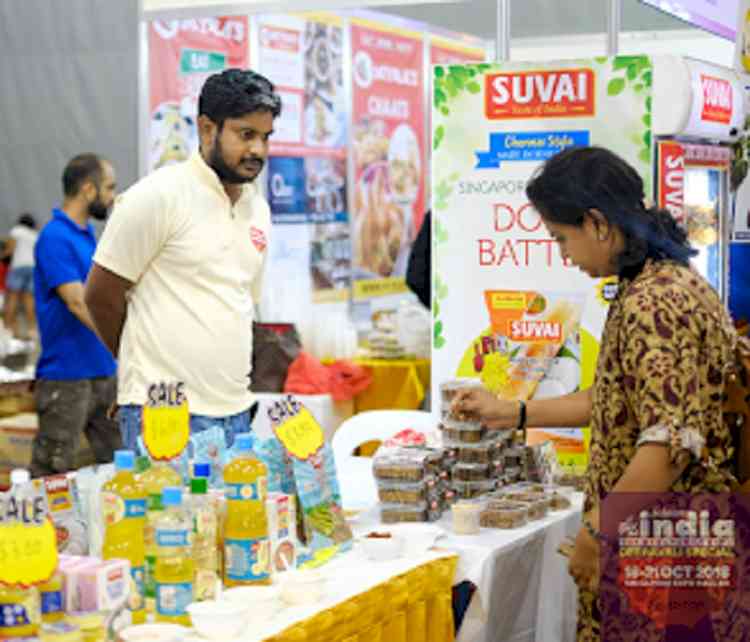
{"x": 27, "y": 219}
{"x": 235, "y": 93}
{"x": 580, "y": 179}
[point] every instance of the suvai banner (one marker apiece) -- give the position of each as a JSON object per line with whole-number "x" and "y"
{"x": 507, "y": 307}
{"x": 182, "y": 54}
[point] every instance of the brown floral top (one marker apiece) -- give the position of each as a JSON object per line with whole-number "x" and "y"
{"x": 660, "y": 378}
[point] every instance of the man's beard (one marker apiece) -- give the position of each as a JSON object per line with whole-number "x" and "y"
{"x": 98, "y": 210}
{"x": 225, "y": 173}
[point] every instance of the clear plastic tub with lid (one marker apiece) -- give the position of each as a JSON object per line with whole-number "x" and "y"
{"x": 392, "y": 491}
{"x": 422, "y": 512}
{"x": 504, "y": 514}
{"x": 471, "y": 472}
{"x": 466, "y": 432}
{"x": 472, "y": 489}
{"x": 407, "y": 464}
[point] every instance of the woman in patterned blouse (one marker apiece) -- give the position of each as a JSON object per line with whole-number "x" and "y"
{"x": 655, "y": 405}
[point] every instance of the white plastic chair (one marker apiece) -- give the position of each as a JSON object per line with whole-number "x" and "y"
{"x": 358, "y": 488}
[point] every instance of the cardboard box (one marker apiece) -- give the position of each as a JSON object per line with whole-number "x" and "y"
{"x": 571, "y": 445}
{"x": 282, "y": 531}
{"x": 16, "y": 439}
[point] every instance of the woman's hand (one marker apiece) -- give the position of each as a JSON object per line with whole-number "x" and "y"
{"x": 583, "y": 566}
{"x": 478, "y": 402}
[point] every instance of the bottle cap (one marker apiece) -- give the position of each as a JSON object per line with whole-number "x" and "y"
{"x": 198, "y": 486}
{"x": 124, "y": 460}
{"x": 171, "y": 496}
{"x": 201, "y": 469}
{"x": 19, "y": 477}
{"x": 243, "y": 442}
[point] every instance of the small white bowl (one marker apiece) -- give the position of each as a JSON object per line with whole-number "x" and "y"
{"x": 153, "y": 633}
{"x": 254, "y": 597}
{"x": 218, "y": 620}
{"x": 302, "y": 587}
{"x": 382, "y": 549}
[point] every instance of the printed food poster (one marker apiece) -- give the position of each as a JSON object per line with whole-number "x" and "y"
{"x": 307, "y": 177}
{"x": 449, "y": 52}
{"x": 182, "y": 54}
{"x": 508, "y": 310}
{"x": 389, "y": 165}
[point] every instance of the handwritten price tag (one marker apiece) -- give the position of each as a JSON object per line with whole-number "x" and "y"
{"x": 28, "y": 543}
{"x": 166, "y": 421}
{"x": 301, "y": 434}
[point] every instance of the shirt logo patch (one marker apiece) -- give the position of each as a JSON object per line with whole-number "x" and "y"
{"x": 258, "y": 238}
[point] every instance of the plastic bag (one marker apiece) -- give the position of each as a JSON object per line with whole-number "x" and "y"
{"x": 343, "y": 380}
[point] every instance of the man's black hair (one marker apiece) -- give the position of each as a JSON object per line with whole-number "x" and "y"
{"x": 235, "y": 93}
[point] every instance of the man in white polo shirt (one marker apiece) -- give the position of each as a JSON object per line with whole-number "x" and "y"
{"x": 179, "y": 267}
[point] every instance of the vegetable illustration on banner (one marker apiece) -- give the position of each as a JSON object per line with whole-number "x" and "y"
{"x": 166, "y": 420}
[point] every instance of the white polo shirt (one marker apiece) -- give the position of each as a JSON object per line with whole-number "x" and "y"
{"x": 197, "y": 264}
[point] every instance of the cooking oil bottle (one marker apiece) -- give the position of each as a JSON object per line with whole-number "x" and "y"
{"x": 124, "y": 511}
{"x": 246, "y": 544}
{"x": 155, "y": 479}
{"x": 174, "y": 562}
{"x": 205, "y": 534}
{"x": 19, "y": 607}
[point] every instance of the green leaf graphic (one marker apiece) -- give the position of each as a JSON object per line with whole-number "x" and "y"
{"x": 647, "y": 120}
{"x": 439, "y": 135}
{"x": 645, "y": 155}
{"x": 601, "y": 60}
{"x": 615, "y": 86}
{"x": 566, "y": 353}
{"x": 473, "y": 87}
{"x": 515, "y": 352}
{"x": 439, "y": 72}
{"x": 647, "y": 77}
{"x": 438, "y": 329}
{"x": 632, "y": 72}
{"x": 436, "y": 309}
{"x": 440, "y": 97}
{"x": 445, "y": 111}
{"x": 647, "y": 139}
{"x": 439, "y": 342}
{"x": 648, "y": 103}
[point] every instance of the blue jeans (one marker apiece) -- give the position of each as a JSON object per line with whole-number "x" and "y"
{"x": 130, "y": 425}
{"x": 20, "y": 279}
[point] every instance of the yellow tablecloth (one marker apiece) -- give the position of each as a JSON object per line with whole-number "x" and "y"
{"x": 412, "y": 607}
{"x": 398, "y": 384}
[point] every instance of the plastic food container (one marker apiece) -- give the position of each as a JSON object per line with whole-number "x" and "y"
{"x": 399, "y": 463}
{"x": 472, "y": 489}
{"x": 512, "y": 474}
{"x": 471, "y": 472}
{"x": 449, "y": 389}
{"x": 560, "y": 497}
{"x": 392, "y": 513}
{"x": 483, "y": 452}
{"x": 302, "y": 587}
{"x": 466, "y": 517}
{"x": 504, "y": 514}
{"x": 538, "y": 503}
{"x": 396, "y": 492}
{"x": 470, "y": 432}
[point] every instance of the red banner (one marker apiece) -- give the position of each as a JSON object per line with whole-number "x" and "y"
{"x": 444, "y": 52}
{"x": 182, "y": 54}
{"x": 671, "y": 179}
{"x": 389, "y": 160}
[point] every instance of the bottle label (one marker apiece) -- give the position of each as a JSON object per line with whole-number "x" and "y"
{"x": 137, "y": 588}
{"x": 135, "y": 507}
{"x": 204, "y": 523}
{"x": 149, "y": 581}
{"x": 172, "y": 537}
{"x": 51, "y": 602}
{"x": 205, "y": 584}
{"x": 247, "y": 559}
{"x": 257, "y": 491}
{"x": 14, "y": 614}
{"x": 173, "y": 599}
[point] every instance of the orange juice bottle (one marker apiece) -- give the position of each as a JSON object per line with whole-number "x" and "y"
{"x": 124, "y": 511}
{"x": 246, "y": 544}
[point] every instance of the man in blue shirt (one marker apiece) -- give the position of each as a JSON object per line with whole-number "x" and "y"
{"x": 76, "y": 381}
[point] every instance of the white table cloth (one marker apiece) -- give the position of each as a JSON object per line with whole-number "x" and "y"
{"x": 524, "y": 593}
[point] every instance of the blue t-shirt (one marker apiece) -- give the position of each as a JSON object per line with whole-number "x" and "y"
{"x": 63, "y": 254}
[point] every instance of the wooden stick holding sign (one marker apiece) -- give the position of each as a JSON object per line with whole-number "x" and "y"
{"x": 166, "y": 420}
